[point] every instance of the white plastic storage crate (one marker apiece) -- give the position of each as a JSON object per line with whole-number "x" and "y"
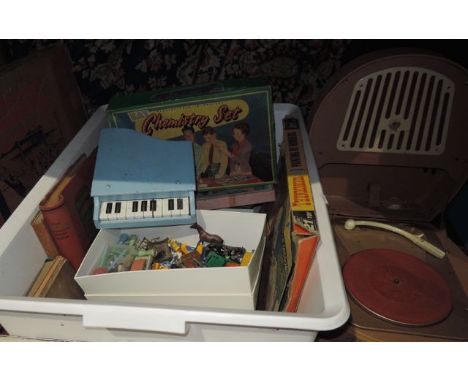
{"x": 323, "y": 305}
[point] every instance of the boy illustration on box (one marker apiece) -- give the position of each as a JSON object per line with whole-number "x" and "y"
{"x": 189, "y": 135}
{"x": 239, "y": 157}
{"x": 213, "y": 160}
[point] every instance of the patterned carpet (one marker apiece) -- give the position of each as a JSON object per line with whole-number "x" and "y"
{"x": 296, "y": 69}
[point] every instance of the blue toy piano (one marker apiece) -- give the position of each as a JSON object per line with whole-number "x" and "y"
{"x": 141, "y": 181}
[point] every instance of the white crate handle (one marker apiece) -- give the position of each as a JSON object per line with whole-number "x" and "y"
{"x": 150, "y": 319}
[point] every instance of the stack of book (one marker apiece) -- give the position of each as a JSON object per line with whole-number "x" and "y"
{"x": 64, "y": 223}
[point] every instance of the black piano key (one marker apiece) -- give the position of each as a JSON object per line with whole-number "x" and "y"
{"x": 144, "y": 206}
{"x": 108, "y": 208}
{"x": 170, "y": 204}
{"x": 180, "y": 204}
{"x": 153, "y": 205}
{"x": 134, "y": 206}
{"x": 117, "y": 207}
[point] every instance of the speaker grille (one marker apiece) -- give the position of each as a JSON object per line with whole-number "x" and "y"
{"x": 398, "y": 110}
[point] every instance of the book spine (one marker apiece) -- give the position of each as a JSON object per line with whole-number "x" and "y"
{"x": 44, "y": 236}
{"x": 48, "y": 277}
{"x": 66, "y": 232}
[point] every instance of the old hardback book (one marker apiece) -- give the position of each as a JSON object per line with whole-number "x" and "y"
{"x": 68, "y": 210}
{"x": 44, "y": 236}
{"x": 230, "y": 125}
{"x": 40, "y": 111}
{"x": 56, "y": 280}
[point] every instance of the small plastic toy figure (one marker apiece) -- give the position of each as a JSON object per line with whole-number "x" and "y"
{"x": 161, "y": 249}
{"x": 234, "y": 254}
{"x": 205, "y": 236}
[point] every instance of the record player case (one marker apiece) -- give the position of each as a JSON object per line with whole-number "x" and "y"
{"x": 389, "y": 136}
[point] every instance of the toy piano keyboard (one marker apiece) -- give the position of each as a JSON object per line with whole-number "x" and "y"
{"x": 140, "y": 181}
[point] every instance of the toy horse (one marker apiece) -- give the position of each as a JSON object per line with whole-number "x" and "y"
{"x": 205, "y": 236}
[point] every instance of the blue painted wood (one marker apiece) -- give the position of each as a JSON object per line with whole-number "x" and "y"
{"x": 133, "y": 166}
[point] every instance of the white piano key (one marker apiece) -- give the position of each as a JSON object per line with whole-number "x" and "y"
{"x": 131, "y": 213}
{"x": 152, "y": 206}
{"x": 166, "y": 210}
{"x": 128, "y": 208}
{"x": 148, "y": 213}
{"x": 176, "y": 211}
{"x": 103, "y": 211}
{"x": 139, "y": 213}
{"x": 112, "y": 215}
{"x": 159, "y": 209}
{"x": 155, "y": 208}
{"x": 186, "y": 207}
{"x": 120, "y": 215}
{"x": 180, "y": 207}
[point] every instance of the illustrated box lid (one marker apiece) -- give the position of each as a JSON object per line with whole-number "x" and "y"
{"x": 238, "y": 114}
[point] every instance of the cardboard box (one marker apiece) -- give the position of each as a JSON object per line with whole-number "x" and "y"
{"x": 222, "y": 107}
{"x": 223, "y": 287}
{"x": 40, "y": 112}
{"x": 295, "y": 233}
{"x": 299, "y": 251}
{"x": 301, "y": 200}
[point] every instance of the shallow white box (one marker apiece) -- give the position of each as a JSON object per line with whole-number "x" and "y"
{"x": 218, "y": 287}
{"x": 323, "y": 305}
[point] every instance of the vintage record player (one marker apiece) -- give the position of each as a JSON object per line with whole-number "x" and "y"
{"x": 389, "y": 136}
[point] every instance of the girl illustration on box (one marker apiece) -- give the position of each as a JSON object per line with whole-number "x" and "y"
{"x": 239, "y": 156}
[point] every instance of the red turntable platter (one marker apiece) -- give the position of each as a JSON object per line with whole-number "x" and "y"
{"x": 397, "y": 287}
